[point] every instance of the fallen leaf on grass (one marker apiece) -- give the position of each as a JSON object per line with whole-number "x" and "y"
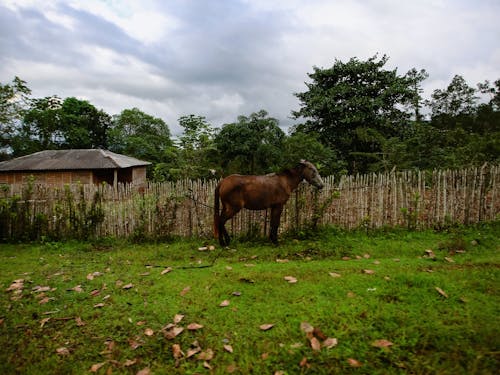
{"x": 354, "y": 362}
{"x": 306, "y": 327}
{"x": 334, "y": 274}
{"x": 96, "y": 367}
{"x": 303, "y": 362}
{"x": 315, "y": 344}
{"x": 149, "y": 332}
{"x": 224, "y": 303}
{"x": 178, "y": 318}
{"x": 176, "y": 351}
{"x": 62, "y": 351}
{"x": 194, "y": 326}
{"x": 228, "y": 348}
{"x": 368, "y": 272}
{"x": 266, "y": 327}
{"x": 130, "y": 362}
{"x": 77, "y": 289}
{"x": 166, "y": 270}
{"x": 192, "y": 352}
{"x": 39, "y": 289}
{"x": 16, "y": 285}
{"x": 236, "y": 294}
{"x": 449, "y": 260}
{"x": 382, "y": 343}
{"x": 134, "y": 343}
{"x": 128, "y": 286}
{"x": 144, "y": 371}
{"x": 44, "y": 321}
{"x": 330, "y": 343}
{"x": 185, "y": 290}
{"x": 442, "y": 292}
{"x": 290, "y": 279}
{"x": 99, "y": 305}
{"x": 173, "y": 333}
{"x": 79, "y": 322}
{"x": 206, "y": 355}
{"x": 207, "y": 365}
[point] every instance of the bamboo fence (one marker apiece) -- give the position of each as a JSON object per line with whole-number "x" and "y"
{"x": 416, "y": 199}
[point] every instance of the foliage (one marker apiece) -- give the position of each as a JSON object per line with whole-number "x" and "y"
{"x": 339, "y": 303}
{"x": 142, "y": 136}
{"x": 250, "y": 146}
{"x": 358, "y": 117}
{"x": 353, "y": 106}
{"x": 14, "y": 98}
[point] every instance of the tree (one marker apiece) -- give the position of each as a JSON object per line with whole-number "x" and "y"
{"x": 252, "y": 145}
{"x": 140, "y": 135}
{"x": 415, "y": 79}
{"x": 197, "y": 149}
{"x": 14, "y": 99}
{"x": 83, "y": 125}
{"x": 457, "y": 99}
{"x": 346, "y": 100}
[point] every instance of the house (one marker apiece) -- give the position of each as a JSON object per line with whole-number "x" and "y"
{"x": 55, "y": 167}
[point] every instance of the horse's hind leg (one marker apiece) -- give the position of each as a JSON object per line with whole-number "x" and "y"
{"x": 226, "y": 214}
{"x": 275, "y": 223}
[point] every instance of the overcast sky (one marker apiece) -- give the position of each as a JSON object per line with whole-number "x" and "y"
{"x": 225, "y": 58}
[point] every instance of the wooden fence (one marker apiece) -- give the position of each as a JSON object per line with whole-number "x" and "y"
{"x": 416, "y": 199}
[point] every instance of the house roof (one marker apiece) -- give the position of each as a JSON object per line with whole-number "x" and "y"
{"x": 51, "y": 160}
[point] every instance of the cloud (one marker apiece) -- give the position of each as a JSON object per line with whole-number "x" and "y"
{"x": 225, "y": 58}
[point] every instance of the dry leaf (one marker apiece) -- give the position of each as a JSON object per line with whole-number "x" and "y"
{"x": 149, "y": 332}
{"x": 231, "y": 368}
{"x": 185, "y": 290}
{"x": 449, "y": 260}
{"x": 97, "y": 366}
{"x": 306, "y": 327}
{"x": 334, "y": 274}
{"x": 166, "y": 270}
{"x": 442, "y": 292}
{"x": 266, "y": 327}
{"x": 224, "y": 303}
{"x": 236, "y": 294}
{"x": 16, "y": 285}
{"x": 39, "y": 289}
{"x": 176, "y": 351}
{"x": 282, "y": 260}
{"x": 315, "y": 344}
{"x": 178, "y": 318}
{"x": 95, "y": 292}
{"x": 290, "y": 279}
{"x": 368, "y": 272}
{"x": 330, "y": 343}
{"x": 303, "y": 362}
{"x": 140, "y": 323}
{"x": 206, "y": 355}
{"x": 192, "y": 352}
{"x": 77, "y": 289}
{"x": 43, "y": 321}
{"x": 207, "y": 365}
{"x": 134, "y": 343}
{"x": 354, "y": 363}
{"x": 99, "y": 305}
{"x": 62, "y": 351}
{"x": 194, "y": 326}
{"x": 130, "y": 362}
{"x": 382, "y": 343}
{"x": 173, "y": 333}
{"x": 144, "y": 371}
{"x": 228, "y": 348}
{"x": 128, "y": 286}
{"x": 79, "y": 322}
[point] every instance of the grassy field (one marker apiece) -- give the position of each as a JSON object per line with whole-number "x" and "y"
{"x": 345, "y": 302}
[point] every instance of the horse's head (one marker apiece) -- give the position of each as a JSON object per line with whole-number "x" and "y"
{"x": 311, "y": 174}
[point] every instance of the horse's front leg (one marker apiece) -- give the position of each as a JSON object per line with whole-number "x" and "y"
{"x": 275, "y": 222}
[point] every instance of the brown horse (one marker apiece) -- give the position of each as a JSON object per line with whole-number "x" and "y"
{"x": 259, "y": 193}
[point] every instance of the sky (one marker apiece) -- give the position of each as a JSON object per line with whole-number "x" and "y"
{"x": 224, "y": 58}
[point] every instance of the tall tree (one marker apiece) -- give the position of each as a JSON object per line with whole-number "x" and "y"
{"x": 140, "y": 135}
{"x": 14, "y": 99}
{"x": 251, "y": 145}
{"x": 343, "y": 101}
{"x": 415, "y": 79}
{"x": 457, "y": 99}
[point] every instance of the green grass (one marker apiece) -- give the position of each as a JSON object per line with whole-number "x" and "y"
{"x": 399, "y": 302}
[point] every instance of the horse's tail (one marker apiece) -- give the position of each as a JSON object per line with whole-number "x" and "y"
{"x": 216, "y": 211}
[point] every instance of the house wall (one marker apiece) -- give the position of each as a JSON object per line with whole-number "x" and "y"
{"x": 49, "y": 177}
{"x": 135, "y": 175}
